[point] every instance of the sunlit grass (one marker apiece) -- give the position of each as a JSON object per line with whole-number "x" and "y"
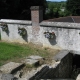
{"x": 16, "y": 52}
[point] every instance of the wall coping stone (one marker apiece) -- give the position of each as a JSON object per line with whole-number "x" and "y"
{"x": 61, "y": 25}
{"x": 24, "y": 22}
{"x": 36, "y": 8}
{"x": 61, "y": 55}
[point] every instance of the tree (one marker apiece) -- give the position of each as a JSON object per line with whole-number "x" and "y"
{"x": 54, "y": 9}
{"x": 19, "y": 9}
{"x": 3, "y": 9}
{"x": 73, "y": 6}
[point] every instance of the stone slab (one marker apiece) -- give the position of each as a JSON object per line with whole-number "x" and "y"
{"x": 22, "y": 79}
{"x": 57, "y": 79}
{"x": 61, "y": 25}
{"x": 15, "y": 21}
{"x": 78, "y": 77}
{"x": 7, "y": 77}
{"x": 0, "y": 75}
{"x": 9, "y": 67}
{"x": 32, "y": 59}
{"x": 61, "y": 55}
{"x": 35, "y": 57}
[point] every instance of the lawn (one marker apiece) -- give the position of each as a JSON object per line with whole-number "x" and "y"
{"x": 17, "y": 52}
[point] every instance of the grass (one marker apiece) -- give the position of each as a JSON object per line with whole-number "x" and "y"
{"x": 17, "y": 52}
{"x": 0, "y": 35}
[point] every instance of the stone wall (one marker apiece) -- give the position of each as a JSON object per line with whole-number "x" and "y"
{"x": 67, "y": 35}
{"x": 12, "y": 34}
{"x": 37, "y": 17}
{"x": 61, "y": 69}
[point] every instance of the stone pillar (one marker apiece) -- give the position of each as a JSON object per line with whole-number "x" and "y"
{"x": 37, "y": 17}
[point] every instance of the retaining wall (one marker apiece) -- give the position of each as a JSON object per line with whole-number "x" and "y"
{"x": 61, "y": 69}
{"x": 12, "y": 34}
{"x": 67, "y": 35}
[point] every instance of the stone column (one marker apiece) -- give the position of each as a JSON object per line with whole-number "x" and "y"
{"x": 37, "y": 17}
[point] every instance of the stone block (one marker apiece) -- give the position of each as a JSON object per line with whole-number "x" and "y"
{"x": 10, "y": 67}
{"x": 33, "y": 60}
{"x": 78, "y": 77}
{"x": 22, "y": 79}
{"x": 8, "y": 77}
{"x": 35, "y": 57}
{"x": 0, "y": 75}
{"x": 61, "y": 55}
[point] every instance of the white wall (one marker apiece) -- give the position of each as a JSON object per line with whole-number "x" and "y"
{"x": 12, "y": 34}
{"x": 65, "y": 37}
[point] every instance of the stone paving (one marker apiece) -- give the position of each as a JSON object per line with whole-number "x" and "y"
{"x": 7, "y": 77}
{"x": 9, "y": 67}
{"x": 5, "y": 70}
{"x": 32, "y": 60}
{"x": 0, "y": 75}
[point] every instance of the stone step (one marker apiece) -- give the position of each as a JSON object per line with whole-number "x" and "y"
{"x": 46, "y": 79}
{"x": 11, "y": 67}
{"x": 35, "y": 57}
{"x": 56, "y": 79}
{"x": 78, "y": 77}
{"x": 0, "y": 75}
{"x": 23, "y": 79}
{"x": 34, "y": 60}
{"x": 7, "y": 77}
{"x": 31, "y": 73}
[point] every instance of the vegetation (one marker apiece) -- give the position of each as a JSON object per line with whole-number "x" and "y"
{"x": 17, "y": 52}
{"x": 56, "y": 9}
{"x": 73, "y": 7}
{"x": 18, "y": 9}
{"x": 0, "y": 35}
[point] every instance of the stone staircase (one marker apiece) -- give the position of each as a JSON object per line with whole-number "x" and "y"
{"x": 54, "y": 71}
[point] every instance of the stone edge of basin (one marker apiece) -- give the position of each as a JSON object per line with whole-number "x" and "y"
{"x": 59, "y": 56}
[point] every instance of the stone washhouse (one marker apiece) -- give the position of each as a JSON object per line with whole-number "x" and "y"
{"x": 57, "y": 35}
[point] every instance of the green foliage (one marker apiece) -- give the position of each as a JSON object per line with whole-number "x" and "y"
{"x": 4, "y": 26}
{"x": 22, "y": 31}
{"x": 54, "y": 9}
{"x": 19, "y": 9}
{"x": 73, "y": 6}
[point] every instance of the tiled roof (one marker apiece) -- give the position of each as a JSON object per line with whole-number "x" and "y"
{"x": 71, "y": 19}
